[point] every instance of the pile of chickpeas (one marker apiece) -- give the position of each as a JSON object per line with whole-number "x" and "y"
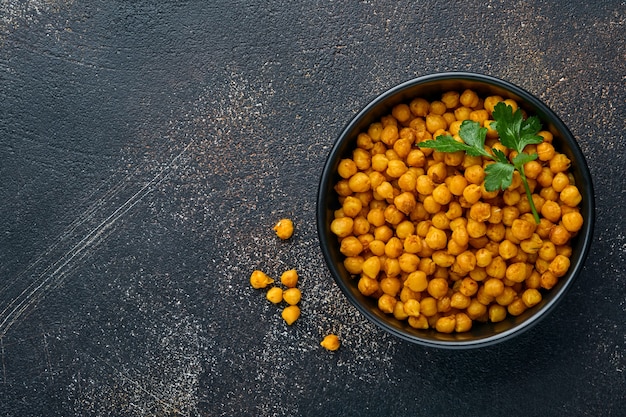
{"x": 423, "y": 236}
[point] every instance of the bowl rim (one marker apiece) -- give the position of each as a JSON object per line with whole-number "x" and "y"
{"x": 528, "y": 100}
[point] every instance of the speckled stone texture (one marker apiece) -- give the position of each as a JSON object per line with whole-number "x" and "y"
{"x": 147, "y": 148}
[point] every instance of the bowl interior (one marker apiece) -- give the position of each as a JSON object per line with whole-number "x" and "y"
{"x": 431, "y": 87}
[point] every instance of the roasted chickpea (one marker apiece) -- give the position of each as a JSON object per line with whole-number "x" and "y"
{"x": 559, "y": 163}
{"x": 437, "y": 287}
{"x": 259, "y": 279}
{"x": 516, "y": 307}
{"x": 446, "y": 324}
{"x": 497, "y": 313}
{"x": 507, "y": 249}
{"x": 368, "y": 286}
{"x": 436, "y": 238}
{"x": 463, "y": 323}
{"x": 274, "y": 295}
{"x": 359, "y": 182}
{"x": 570, "y": 196}
{"x": 292, "y": 296}
{"x": 531, "y": 297}
{"x": 559, "y": 235}
{"x": 559, "y": 265}
{"x": 386, "y": 303}
{"x": 290, "y": 314}
{"x": 351, "y": 246}
{"x": 572, "y": 221}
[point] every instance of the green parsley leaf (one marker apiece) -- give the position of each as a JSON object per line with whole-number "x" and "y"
{"x": 523, "y": 158}
{"x": 474, "y": 136}
{"x": 499, "y": 176}
{"x": 445, "y": 144}
{"x": 515, "y": 133}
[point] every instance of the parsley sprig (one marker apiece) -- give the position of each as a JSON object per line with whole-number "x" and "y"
{"x": 515, "y": 133}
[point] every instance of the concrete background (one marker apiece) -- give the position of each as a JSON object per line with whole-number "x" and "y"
{"x": 147, "y": 148}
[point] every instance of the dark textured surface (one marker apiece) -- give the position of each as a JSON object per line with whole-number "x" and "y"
{"x": 147, "y": 149}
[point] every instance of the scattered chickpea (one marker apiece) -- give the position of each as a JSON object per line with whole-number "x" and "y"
{"x": 330, "y": 342}
{"x": 259, "y": 279}
{"x": 289, "y": 278}
{"x": 284, "y": 228}
{"x": 292, "y": 296}
{"x": 274, "y": 295}
{"x": 290, "y": 314}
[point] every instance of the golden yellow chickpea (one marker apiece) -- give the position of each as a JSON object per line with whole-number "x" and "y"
{"x": 419, "y": 322}
{"x": 330, "y": 342}
{"x": 483, "y": 257}
{"x": 450, "y": 99}
{"x": 352, "y": 206}
{"x": 497, "y": 268}
{"x": 289, "y": 278}
{"x": 412, "y": 307}
{"x": 548, "y": 280}
{"x": 284, "y": 228}
{"x": 572, "y": 221}
{"x": 259, "y": 279}
{"x": 292, "y": 296}
{"x": 545, "y": 151}
{"x": 559, "y": 163}
{"x": 559, "y": 235}
{"x": 390, "y": 285}
{"x": 353, "y": 264}
{"x": 531, "y": 297}
{"x": 523, "y": 229}
{"x": 560, "y": 181}
{"x": 346, "y": 168}
{"x": 517, "y": 307}
{"x": 274, "y": 295}
{"x": 408, "y": 262}
{"x": 383, "y": 233}
{"x": 434, "y": 122}
{"x": 469, "y": 98}
{"x": 405, "y": 202}
{"x": 559, "y": 265}
{"x": 437, "y": 287}
{"x": 368, "y": 286}
{"x": 459, "y": 300}
{"x": 446, "y": 324}
{"x": 516, "y": 272}
{"x": 359, "y": 182}
{"x": 290, "y": 314}
{"x": 401, "y": 112}
{"x": 493, "y": 287}
{"x": 351, "y": 246}
{"x": 570, "y": 196}
{"x": 386, "y": 303}
{"x": 507, "y": 249}
{"x": 497, "y": 313}
{"x": 441, "y": 194}
{"x": 436, "y": 239}
{"x": 416, "y": 281}
{"x": 476, "y": 229}
{"x": 480, "y": 211}
{"x": 463, "y": 323}
{"x": 466, "y": 261}
{"x": 474, "y": 174}
{"x": 374, "y": 130}
{"x": 364, "y": 141}
{"x": 389, "y": 134}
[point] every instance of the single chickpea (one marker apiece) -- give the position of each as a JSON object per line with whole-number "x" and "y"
{"x": 289, "y": 278}
{"x": 476, "y": 229}
{"x": 383, "y": 233}
{"x": 428, "y": 306}
{"x": 472, "y": 193}
{"x": 436, "y": 238}
{"x": 364, "y": 141}
{"x": 469, "y": 99}
{"x": 497, "y": 313}
{"x": 419, "y": 322}
{"x": 292, "y": 296}
{"x": 405, "y": 203}
{"x": 559, "y": 163}
{"x": 290, "y": 314}
{"x": 416, "y": 281}
{"x": 416, "y": 158}
{"x": 330, "y": 342}
{"x": 425, "y": 185}
{"x": 560, "y": 181}
{"x": 559, "y": 235}
{"x": 284, "y": 228}
{"x": 352, "y": 206}
{"x": 443, "y": 258}
{"x": 398, "y": 311}
{"x": 346, "y": 168}
{"x": 375, "y": 216}
{"x": 437, "y": 172}
{"x": 517, "y": 307}
{"x": 480, "y": 211}
{"x": 377, "y": 247}
{"x": 351, "y": 246}
{"x": 548, "y": 280}
{"x": 523, "y": 229}
{"x": 361, "y": 227}
{"x": 446, "y": 324}
{"x": 573, "y": 221}
{"x": 441, "y": 194}
{"x": 466, "y": 261}
{"x": 391, "y": 267}
{"x": 368, "y": 286}
{"x": 545, "y": 151}
{"x": 483, "y": 257}
{"x": 389, "y": 134}
{"x": 491, "y": 101}
{"x": 353, "y": 264}
{"x": 463, "y": 323}
{"x": 496, "y": 232}
{"x": 516, "y": 272}
{"x": 374, "y": 130}
{"x": 493, "y": 287}
{"x": 274, "y": 295}
{"x": 419, "y": 107}
{"x": 408, "y": 262}
{"x": 450, "y": 99}
{"x": 371, "y": 266}
{"x": 408, "y": 181}
{"x": 412, "y": 244}
{"x": 474, "y": 174}
{"x": 359, "y": 182}
{"x": 511, "y": 197}
{"x": 476, "y": 309}
{"x": 532, "y": 245}
{"x": 531, "y": 297}
{"x": 570, "y": 196}
{"x": 386, "y": 303}
{"x": 437, "y": 287}
{"x": 507, "y": 249}
{"x": 390, "y": 286}
{"x": 401, "y": 112}
{"x": 559, "y": 265}
{"x": 412, "y": 307}
{"x": 435, "y": 122}
{"x": 460, "y": 301}
{"x": 259, "y": 279}
{"x": 380, "y": 162}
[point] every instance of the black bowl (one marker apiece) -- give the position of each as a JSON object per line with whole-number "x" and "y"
{"x": 431, "y": 87}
